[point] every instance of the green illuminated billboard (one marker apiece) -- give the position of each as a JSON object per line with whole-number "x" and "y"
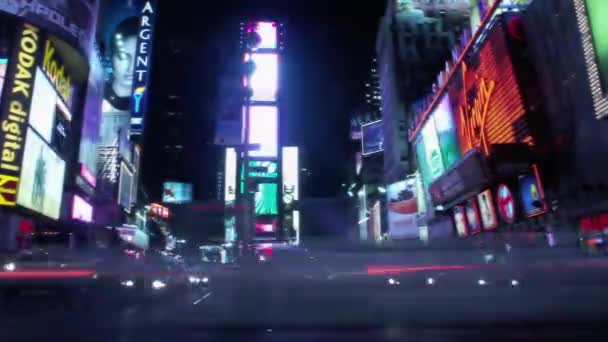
{"x": 266, "y": 202}
{"x": 432, "y": 150}
{"x": 446, "y": 132}
{"x": 597, "y": 10}
{"x": 422, "y": 163}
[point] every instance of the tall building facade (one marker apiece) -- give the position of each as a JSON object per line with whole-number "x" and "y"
{"x": 414, "y": 40}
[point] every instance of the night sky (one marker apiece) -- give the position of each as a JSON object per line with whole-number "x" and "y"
{"x": 328, "y": 52}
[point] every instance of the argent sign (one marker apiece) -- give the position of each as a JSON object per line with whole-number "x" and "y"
{"x": 142, "y": 65}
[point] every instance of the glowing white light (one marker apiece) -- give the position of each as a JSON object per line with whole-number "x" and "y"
{"x": 263, "y": 130}
{"x": 482, "y": 282}
{"x": 128, "y": 283}
{"x": 157, "y": 284}
{"x": 268, "y": 34}
{"x": 10, "y": 267}
{"x": 430, "y": 281}
{"x": 514, "y": 282}
{"x": 392, "y": 281}
{"x": 265, "y": 79}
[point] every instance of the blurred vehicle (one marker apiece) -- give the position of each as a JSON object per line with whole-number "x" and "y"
{"x": 46, "y": 273}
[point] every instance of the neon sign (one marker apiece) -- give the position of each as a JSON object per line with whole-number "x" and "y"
{"x": 473, "y": 115}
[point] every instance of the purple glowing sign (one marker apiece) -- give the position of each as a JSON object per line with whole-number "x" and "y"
{"x": 88, "y": 175}
{"x": 264, "y": 81}
{"x": 81, "y": 210}
{"x": 263, "y": 130}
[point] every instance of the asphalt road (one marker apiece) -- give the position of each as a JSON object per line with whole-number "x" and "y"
{"x": 303, "y": 294}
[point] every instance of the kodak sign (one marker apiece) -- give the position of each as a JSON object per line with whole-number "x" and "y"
{"x": 16, "y": 106}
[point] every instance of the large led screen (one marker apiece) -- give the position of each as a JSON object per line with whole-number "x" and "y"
{"x": 402, "y": 207}
{"x": 597, "y": 11}
{"x": 291, "y": 191}
{"x": 266, "y": 199}
{"x": 373, "y": 137}
{"x": 177, "y": 192}
{"x": 263, "y": 130}
{"x": 432, "y": 150}
{"x": 81, "y": 210}
{"x": 44, "y": 102}
{"x": 264, "y": 81}
{"x": 230, "y": 174}
{"x": 42, "y": 177}
{"x": 268, "y": 33}
{"x": 446, "y": 132}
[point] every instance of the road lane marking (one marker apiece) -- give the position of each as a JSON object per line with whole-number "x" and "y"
{"x": 202, "y": 298}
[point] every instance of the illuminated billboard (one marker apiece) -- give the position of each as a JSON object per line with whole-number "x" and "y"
{"x": 472, "y": 213}
{"x": 432, "y": 150}
{"x": 263, "y": 169}
{"x": 74, "y": 21}
{"x": 487, "y": 101}
{"x": 532, "y": 196}
{"x": 402, "y": 208}
{"x": 446, "y": 132}
{"x": 264, "y": 81}
{"x": 590, "y": 15}
{"x": 126, "y": 28}
{"x": 460, "y": 221}
{"x": 505, "y": 201}
{"x": 15, "y": 110}
{"x": 263, "y": 130}
{"x": 177, "y": 192}
{"x": 81, "y": 210}
{"x": 143, "y": 54}
{"x": 487, "y": 210}
{"x": 291, "y": 172}
{"x": 42, "y": 177}
{"x": 372, "y": 139}
{"x": 266, "y": 199}
{"x": 230, "y": 174}
{"x": 267, "y": 31}
{"x": 125, "y": 182}
{"x": 44, "y": 103}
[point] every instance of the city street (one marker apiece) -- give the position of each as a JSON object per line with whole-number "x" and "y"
{"x": 353, "y": 294}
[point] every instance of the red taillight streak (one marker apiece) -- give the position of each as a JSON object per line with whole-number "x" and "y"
{"x": 376, "y": 270}
{"x": 47, "y": 274}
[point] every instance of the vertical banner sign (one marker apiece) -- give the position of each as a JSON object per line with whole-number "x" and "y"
{"x": 143, "y": 55}
{"x": 290, "y": 175}
{"x": 15, "y": 112}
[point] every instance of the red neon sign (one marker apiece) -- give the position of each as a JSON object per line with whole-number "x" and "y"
{"x": 489, "y": 102}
